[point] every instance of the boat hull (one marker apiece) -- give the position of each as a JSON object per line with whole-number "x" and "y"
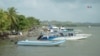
{"x": 76, "y": 37}
{"x": 40, "y": 43}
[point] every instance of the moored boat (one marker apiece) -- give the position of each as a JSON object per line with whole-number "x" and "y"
{"x": 70, "y": 38}
{"x": 40, "y": 43}
{"x": 63, "y": 33}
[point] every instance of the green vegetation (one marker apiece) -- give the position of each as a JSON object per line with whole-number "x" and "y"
{"x": 10, "y": 20}
{"x": 69, "y": 23}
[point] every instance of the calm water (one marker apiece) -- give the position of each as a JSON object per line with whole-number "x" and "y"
{"x": 86, "y": 47}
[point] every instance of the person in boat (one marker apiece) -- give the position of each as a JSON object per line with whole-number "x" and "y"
{"x": 61, "y": 32}
{"x": 44, "y": 35}
{"x": 39, "y": 37}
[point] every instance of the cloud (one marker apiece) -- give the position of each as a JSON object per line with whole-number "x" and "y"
{"x": 80, "y": 1}
{"x": 61, "y": 10}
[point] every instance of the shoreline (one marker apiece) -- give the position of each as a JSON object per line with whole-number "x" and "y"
{"x": 25, "y": 34}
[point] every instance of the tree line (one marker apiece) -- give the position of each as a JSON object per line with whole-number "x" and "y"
{"x": 10, "y": 20}
{"x": 69, "y": 23}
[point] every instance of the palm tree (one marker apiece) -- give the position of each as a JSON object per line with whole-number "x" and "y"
{"x": 4, "y": 22}
{"x": 12, "y": 16}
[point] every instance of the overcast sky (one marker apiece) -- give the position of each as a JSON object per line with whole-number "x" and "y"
{"x": 60, "y": 10}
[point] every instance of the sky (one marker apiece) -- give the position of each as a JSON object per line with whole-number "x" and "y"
{"x": 59, "y": 10}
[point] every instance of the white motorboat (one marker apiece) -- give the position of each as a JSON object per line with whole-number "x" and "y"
{"x": 40, "y": 43}
{"x": 74, "y": 37}
{"x": 68, "y": 34}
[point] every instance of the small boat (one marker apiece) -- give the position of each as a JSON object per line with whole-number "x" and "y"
{"x": 73, "y": 37}
{"x": 63, "y": 33}
{"x": 66, "y": 37}
{"x": 40, "y": 43}
{"x": 70, "y": 38}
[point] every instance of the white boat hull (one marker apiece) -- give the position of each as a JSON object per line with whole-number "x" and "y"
{"x": 40, "y": 43}
{"x": 76, "y": 37}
